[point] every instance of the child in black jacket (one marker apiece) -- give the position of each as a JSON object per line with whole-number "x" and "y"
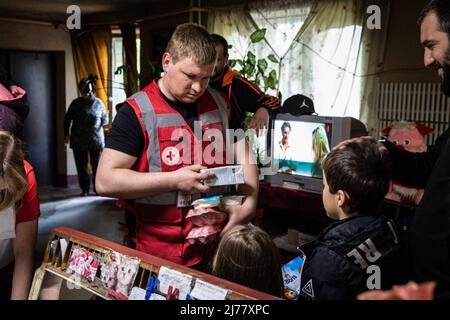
{"x": 361, "y": 251}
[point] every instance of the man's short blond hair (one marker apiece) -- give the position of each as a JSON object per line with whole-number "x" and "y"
{"x": 190, "y": 40}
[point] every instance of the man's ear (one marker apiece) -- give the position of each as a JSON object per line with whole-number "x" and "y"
{"x": 226, "y": 59}
{"x": 166, "y": 60}
{"x": 342, "y": 198}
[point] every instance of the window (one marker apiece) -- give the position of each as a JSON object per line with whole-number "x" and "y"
{"x": 118, "y": 92}
{"x": 117, "y": 82}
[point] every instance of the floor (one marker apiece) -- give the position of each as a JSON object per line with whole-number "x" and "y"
{"x": 93, "y": 214}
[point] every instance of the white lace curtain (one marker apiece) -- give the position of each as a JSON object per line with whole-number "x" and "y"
{"x": 325, "y": 48}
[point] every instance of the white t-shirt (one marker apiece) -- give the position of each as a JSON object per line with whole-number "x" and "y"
{"x": 284, "y": 153}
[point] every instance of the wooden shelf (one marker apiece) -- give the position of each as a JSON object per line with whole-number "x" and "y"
{"x": 149, "y": 265}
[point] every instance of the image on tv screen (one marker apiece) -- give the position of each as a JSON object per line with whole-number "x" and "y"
{"x": 300, "y": 147}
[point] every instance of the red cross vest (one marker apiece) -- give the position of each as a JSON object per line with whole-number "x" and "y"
{"x": 170, "y": 144}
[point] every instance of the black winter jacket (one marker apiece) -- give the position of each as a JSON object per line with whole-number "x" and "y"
{"x": 339, "y": 264}
{"x": 86, "y": 118}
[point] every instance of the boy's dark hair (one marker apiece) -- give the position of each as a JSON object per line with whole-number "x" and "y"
{"x": 442, "y": 10}
{"x": 219, "y": 40}
{"x": 363, "y": 171}
{"x": 286, "y": 125}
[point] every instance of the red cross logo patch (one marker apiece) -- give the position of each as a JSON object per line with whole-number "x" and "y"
{"x": 170, "y": 156}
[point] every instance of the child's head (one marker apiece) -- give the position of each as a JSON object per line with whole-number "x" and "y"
{"x": 247, "y": 255}
{"x": 13, "y": 178}
{"x": 356, "y": 179}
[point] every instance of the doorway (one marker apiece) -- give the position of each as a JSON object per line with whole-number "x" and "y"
{"x": 35, "y": 72}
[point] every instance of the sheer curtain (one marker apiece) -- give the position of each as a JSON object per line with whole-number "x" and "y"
{"x": 282, "y": 19}
{"x": 325, "y": 48}
{"x": 235, "y": 24}
{"x": 338, "y": 57}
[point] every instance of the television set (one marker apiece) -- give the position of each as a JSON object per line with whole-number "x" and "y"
{"x": 300, "y": 143}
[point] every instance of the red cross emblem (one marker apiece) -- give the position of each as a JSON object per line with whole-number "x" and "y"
{"x": 170, "y": 156}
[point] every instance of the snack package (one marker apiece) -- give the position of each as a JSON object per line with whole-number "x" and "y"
{"x": 207, "y": 219}
{"x": 228, "y": 175}
{"x": 292, "y": 275}
{"x": 126, "y": 274}
{"x": 109, "y": 269}
{"x": 210, "y": 202}
{"x": 205, "y": 216}
{"x": 118, "y": 273}
{"x": 83, "y": 263}
{"x": 204, "y": 233}
{"x": 232, "y": 200}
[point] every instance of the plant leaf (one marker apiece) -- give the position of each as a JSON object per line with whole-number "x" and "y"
{"x": 232, "y": 63}
{"x": 251, "y": 72}
{"x": 280, "y": 96}
{"x": 272, "y": 58}
{"x": 272, "y": 79}
{"x": 258, "y": 35}
{"x": 262, "y": 65}
{"x": 248, "y": 70}
{"x": 251, "y": 58}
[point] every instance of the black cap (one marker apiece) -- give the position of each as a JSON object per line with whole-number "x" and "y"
{"x": 298, "y": 105}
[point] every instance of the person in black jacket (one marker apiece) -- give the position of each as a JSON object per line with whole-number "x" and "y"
{"x": 84, "y": 122}
{"x": 361, "y": 251}
{"x": 430, "y": 229}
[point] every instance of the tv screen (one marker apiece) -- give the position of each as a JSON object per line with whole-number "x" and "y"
{"x": 300, "y": 147}
{"x": 300, "y": 143}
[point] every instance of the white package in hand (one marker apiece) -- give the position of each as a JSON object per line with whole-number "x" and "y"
{"x": 228, "y": 175}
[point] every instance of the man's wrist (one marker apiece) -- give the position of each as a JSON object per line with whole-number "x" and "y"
{"x": 171, "y": 180}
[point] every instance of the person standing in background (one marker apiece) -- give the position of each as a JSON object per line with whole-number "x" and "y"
{"x": 86, "y": 118}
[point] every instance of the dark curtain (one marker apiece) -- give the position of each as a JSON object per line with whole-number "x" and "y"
{"x": 130, "y": 75}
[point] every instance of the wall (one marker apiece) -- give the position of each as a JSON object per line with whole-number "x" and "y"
{"x": 44, "y": 37}
{"x": 404, "y": 54}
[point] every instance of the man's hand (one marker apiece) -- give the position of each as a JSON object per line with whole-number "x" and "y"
{"x": 409, "y": 291}
{"x": 66, "y": 140}
{"x": 189, "y": 179}
{"x": 236, "y": 215}
{"x": 260, "y": 120}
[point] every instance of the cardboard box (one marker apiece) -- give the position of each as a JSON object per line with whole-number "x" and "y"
{"x": 228, "y": 175}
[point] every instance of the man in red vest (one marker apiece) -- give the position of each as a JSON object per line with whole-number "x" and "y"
{"x": 158, "y": 144}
